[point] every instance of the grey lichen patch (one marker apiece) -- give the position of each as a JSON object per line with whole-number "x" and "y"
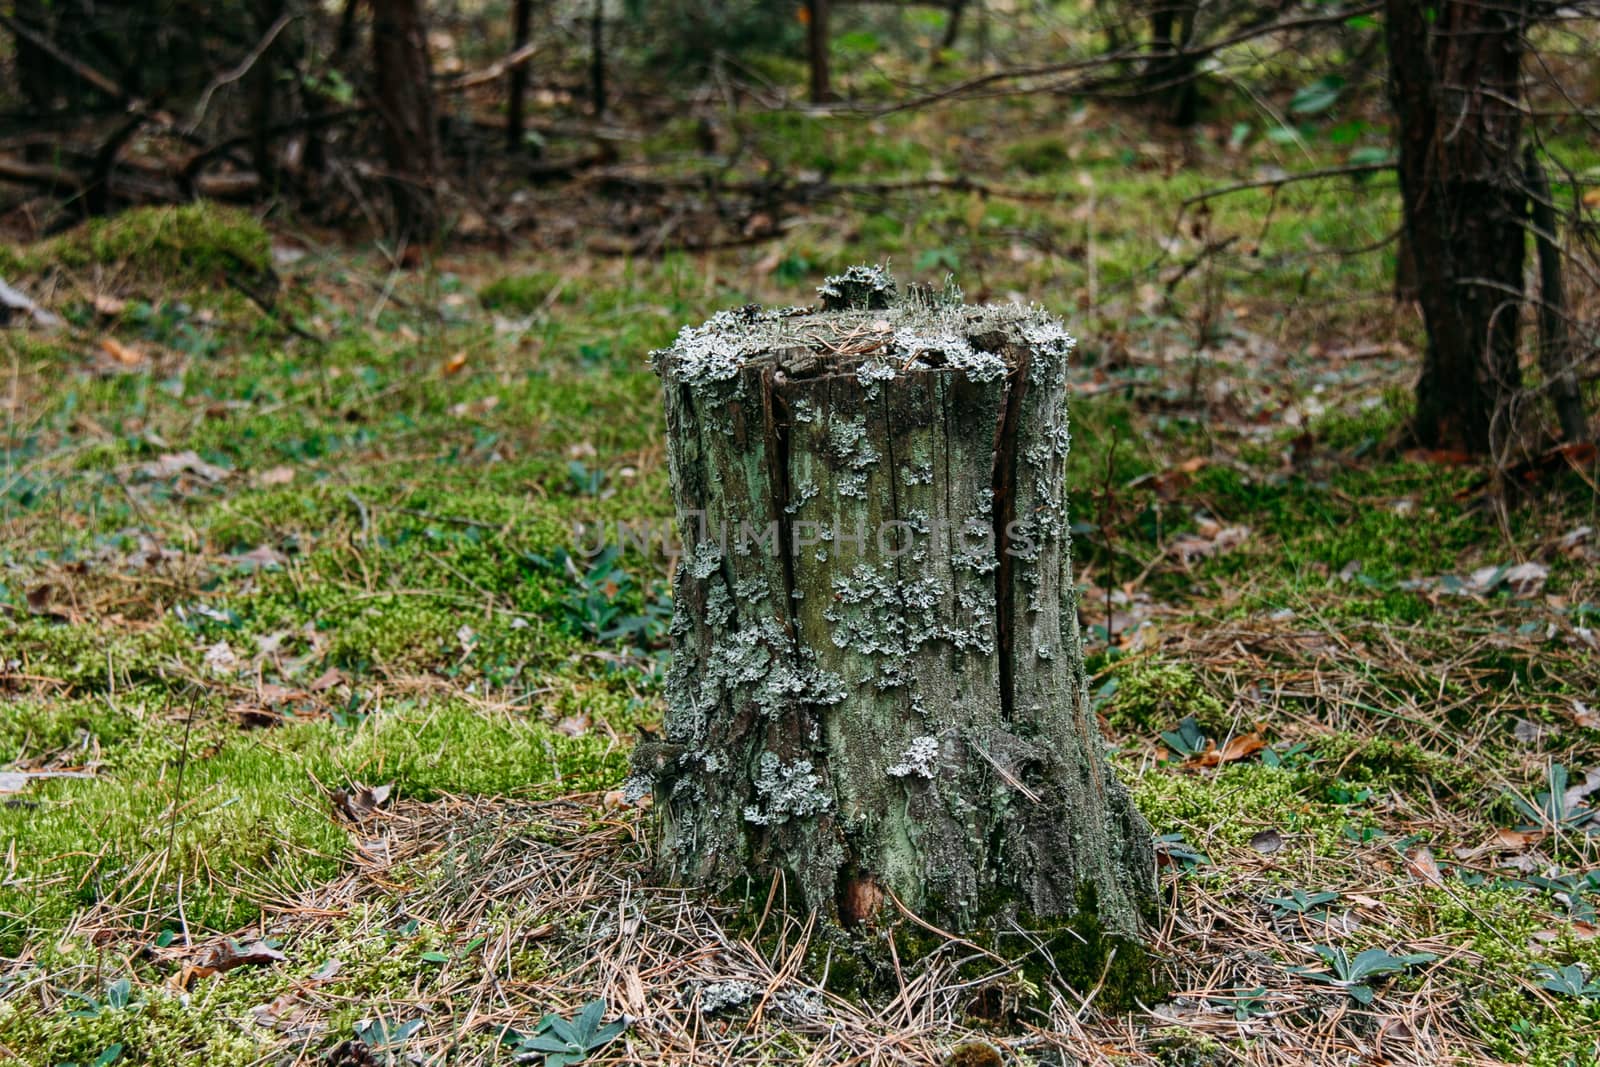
{"x": 852, "y": 445}
{"x": 888, "y": 619}
{"x": 786, "y": 791}
{"x": 860, "y": 286}
{"x": 918, "y": 759}
{"x": 926, "y": 331}
{"x": 872, "y": 373}
{"x": 950, "y": 349}
{"x": 720, "y": 996}
{"x": 705, "y": 560}
{"x": 800, "y": 494}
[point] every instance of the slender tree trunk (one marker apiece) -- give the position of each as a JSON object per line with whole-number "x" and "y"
{"x": 264, "y": 88}
{"x": 952, "y": 24}
{"x": 878, "y": 690}
{"x": 597, "y": 58}
{"x": 1170, "y": 71}
{"x": 403, "y": 94}
{"x": 517, "y": 89}
{"x": 1454, "y": 78}
{"x": 817, "y": 50}
{"x": 1555, "y": 343}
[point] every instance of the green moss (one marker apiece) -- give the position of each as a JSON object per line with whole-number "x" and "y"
{"x": 253, "y": 819}
{"x": 191, "y": 246}
{"x": 1235, "y": 801}
{"x": 526, "y": 293}
{"x": 1044, "y": 154}
{"x": 1499, "y": 925}
{"x": 1081, "y": 954}
{"x": 1152, "y": 696}
{"x": 1388, "y": 763}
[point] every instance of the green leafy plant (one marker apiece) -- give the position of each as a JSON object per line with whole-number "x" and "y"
{"x": 1174, "y": 849}
{"x": 599, "y": 596}
{"x": 382, "y": 1033}
{"x": 567, "y": 1041}
{"x": 1187, "y": 740}
{"x": 459, "y": 954}
{"x": 1569, "y": 981}
{"x": 1287, "y": 758}
{"x": 1351, "y": 973}
{"x": 1317, "y": 97}
{"x": 1302, "y": 903}
{"x": 1550, "y": 810}
{"x": 111, "y": 1054}
{"x": 1245, "y": 1005}
{"x": 586, "y": 480}
{"x": 118, "y": 997}
{"x": 1579, "y": 892}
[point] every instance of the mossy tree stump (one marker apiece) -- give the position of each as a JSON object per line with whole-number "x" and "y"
{"x": 877, "y": 688}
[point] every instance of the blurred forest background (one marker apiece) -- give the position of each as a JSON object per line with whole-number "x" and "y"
{"x": 642, "y": 128}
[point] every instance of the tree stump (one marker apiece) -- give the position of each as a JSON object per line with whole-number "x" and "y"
{"x": 877, "y": 690}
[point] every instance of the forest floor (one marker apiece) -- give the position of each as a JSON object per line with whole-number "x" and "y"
{"x": 310, "y": 717}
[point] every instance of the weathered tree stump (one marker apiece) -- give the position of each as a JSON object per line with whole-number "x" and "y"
{"x": 878, "y": 688}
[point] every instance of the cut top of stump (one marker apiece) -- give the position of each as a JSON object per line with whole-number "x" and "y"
{"x": 867, "y": 330}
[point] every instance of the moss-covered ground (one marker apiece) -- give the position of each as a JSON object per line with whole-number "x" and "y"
{"x": 251, "y": 558}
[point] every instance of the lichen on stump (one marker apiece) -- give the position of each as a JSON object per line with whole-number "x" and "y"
{"x": 877, "y": 688}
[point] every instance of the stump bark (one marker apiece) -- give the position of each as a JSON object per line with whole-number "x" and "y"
{"x": 877, "y": 690}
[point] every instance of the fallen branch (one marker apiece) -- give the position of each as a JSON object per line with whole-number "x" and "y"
{"x": 40, "y": 175}
{"x": 1302, "y": 176}
{"x": 231, "y": 76}
{"x": 72, "y": 63}
{"x": 494, "y": 71}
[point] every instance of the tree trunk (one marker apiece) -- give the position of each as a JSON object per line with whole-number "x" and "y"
{"x": 1555, "y": 343}
{"x": 517, "y": 89}
{"x": 1170, "y": 72}
{"x": 597, "y": 58}
{"x": 404, "y": 99}
{"x": 817, "y": 50}
{"x": 1455, "y": 83}
{"x": 878, "y": 689}
{"x": 952, "y": 24}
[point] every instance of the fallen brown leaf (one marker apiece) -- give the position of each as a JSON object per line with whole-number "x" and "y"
{"x": 1420, "y": 863}
{"x": 359, "y": 801}
{"x": 1236, "y": 748}
{"x": 226, "y": 955}
{"x": 455, "y": 364}
{"x": 276, "y": 476}
{"x": 125, "y": 355}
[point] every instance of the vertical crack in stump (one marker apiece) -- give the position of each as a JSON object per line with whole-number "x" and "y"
{"x": 777, "y": 438}
{"x": 1006, "y": 447}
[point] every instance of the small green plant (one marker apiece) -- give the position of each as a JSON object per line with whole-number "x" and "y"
{"x": 118, "y": 997}
{"x": 587, "y": 482}
{"x": 459, "y": 954}
{"x": 380, "y": 1033}
{"x": 563, "y": 1041}
{"x": 1569, "y": 981}
{"x": 1245, "y": 1005}
{"x": 1351, "y": 973}
{"x": 1174, "y": 849}
{"x": 1299, "y": 902}
{"x": 1288, "y": 758}
{"x": 597, "y": 603}
{"x": 110, "y": 1055}
{"x": 1578, "y": 892}
{"x": 1550, "y": 810}
{"x": 1188, "y": 740}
